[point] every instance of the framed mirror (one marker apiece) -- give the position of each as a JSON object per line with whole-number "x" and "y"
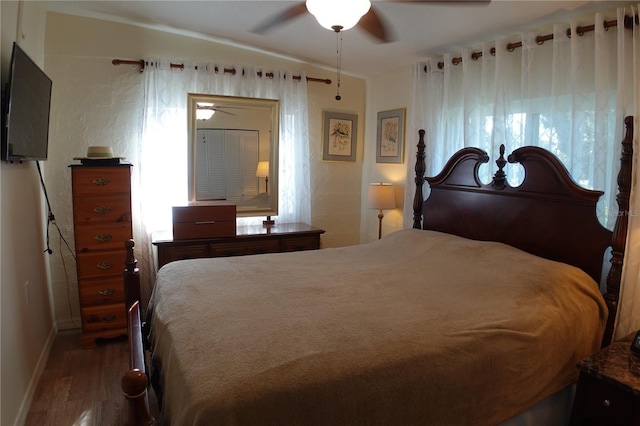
{"x": 233, "y": 152}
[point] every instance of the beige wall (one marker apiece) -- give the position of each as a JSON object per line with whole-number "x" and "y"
{"x": 385, "y": 92}
{"x": 25, "y": 314}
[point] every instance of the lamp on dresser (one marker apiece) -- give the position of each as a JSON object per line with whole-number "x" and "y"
{"x": 263, "y": 171}
{"x": 381, "y": 197}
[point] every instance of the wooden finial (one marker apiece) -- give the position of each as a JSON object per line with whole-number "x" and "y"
{"x": 499, "y": 179}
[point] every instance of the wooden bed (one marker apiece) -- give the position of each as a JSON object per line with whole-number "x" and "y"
{"x": 547, "y": 216}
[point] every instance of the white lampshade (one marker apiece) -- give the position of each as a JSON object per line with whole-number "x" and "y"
{"x": 343, "y": 13}
{"x": 263, "y": 169}
{"x": 204, "y": 111}
{"x": 381, "y": 196}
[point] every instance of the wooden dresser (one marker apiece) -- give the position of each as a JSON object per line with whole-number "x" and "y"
{"x": 102, "y": 223}
{"x": 248, "y": 240}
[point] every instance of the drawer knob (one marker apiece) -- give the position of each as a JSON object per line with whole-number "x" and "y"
{"x": 107, "y": 291}
{"x": 109, "y": 318}
{"x": 104, "y": 265}
{"x": 606, "y": 403}
{"x": 102, "y": 209}
{"x": 101, "y": 181}
{"x": 103, "y": 238}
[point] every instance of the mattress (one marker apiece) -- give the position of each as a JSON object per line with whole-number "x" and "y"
{"x": 420, "y": 327}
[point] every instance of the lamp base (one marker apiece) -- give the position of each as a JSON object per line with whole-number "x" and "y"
{"x": 269, "y": 221}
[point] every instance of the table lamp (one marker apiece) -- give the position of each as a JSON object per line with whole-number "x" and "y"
{"x": 263, "y": 171}
{"x": 381, "y": 196}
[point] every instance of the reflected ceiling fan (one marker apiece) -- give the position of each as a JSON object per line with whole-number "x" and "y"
{"x": 205, "y": 110}
{"x": 341, "y": 15}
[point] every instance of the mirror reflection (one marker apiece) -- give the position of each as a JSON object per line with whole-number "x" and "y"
{"x": 234, "y": 152}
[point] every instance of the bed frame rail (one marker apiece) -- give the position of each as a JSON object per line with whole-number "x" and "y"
{"x": 135, "y": 381}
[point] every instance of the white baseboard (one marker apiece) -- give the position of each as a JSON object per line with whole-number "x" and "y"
{"x": 35, "y": 378}
{"x": 69, "y": 324}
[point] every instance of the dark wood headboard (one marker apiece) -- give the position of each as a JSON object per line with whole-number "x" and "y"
{"x": 548, "y": 215}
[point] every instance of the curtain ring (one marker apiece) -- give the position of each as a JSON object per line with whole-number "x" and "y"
{"x": 510, "y": 47}
{"x": 568, "y": 32}
{"x": 580, "y": 31}
{"x": 493, "y": 51}
{"x": 539, "y": 40}
{"x": 476, "y": 55}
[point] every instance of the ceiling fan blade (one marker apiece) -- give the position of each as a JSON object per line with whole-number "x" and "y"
{"x": 373, "y": 24}
{"x": 445, "y": 2}
{"x": 292, "y": 12}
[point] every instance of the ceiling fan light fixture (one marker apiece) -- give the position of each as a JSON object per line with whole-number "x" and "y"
{"x": 204, "y": 111}
{"x": 343, "y": 14}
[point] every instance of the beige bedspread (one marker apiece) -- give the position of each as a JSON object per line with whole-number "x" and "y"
{"x": 417, "y": 328}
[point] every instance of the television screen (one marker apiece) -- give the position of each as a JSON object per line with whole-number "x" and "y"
{"x": 26, "y": 115}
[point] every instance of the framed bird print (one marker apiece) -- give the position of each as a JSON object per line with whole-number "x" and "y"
{"x": 390, "y": 142}
{"x": 339, "y": 136}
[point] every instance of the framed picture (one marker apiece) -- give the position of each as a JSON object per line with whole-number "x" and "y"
{"x": 339, "y": 132}
{"x": 390, "y": 143}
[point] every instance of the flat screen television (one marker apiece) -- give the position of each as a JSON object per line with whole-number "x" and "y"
{"x": 26, "y": 106}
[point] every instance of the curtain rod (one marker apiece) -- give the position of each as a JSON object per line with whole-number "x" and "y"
{"x": 142, "y": 63}
{"x": 628, "y": 23}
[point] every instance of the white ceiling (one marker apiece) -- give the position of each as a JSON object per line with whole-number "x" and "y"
{"x": 420, "y": 29}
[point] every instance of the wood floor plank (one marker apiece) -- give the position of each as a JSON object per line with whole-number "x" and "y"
{"x": 82, "y": 386}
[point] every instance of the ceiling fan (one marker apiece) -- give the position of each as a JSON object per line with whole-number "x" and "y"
{"x": 205, "y": 110}
{"x": 341, "y": 15}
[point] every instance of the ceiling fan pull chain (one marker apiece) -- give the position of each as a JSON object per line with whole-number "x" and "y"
{"x": 339, "y": 58}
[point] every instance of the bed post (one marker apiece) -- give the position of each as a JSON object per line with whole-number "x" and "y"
{"x": 134, "y": 382}
{"x": 619, "y": 237}
{"x": 420, "y": 169}
{"x": 131, "y": 276}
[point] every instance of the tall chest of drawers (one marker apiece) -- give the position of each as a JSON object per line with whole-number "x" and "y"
{"x": 102, "y": 224}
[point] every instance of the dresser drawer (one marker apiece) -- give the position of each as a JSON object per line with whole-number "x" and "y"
{"x": 101, "y": 292}
{"x": 107, "y": 209}
{"x": 204, "y": 229}
{"x": 300, "y": 243}
{"x": 108, "y": 236}
{"x": 261, "y": 247}
{"x": 102, "y": 264}
{"x": 104, "y": 317}
{"x": 100, "y": 181}
{"x": 171, "y": 253}
{"x": 204, "y": 221}
{"x": 228, "y": 249}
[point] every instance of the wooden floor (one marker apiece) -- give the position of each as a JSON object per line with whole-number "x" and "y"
{"x": 81, "y": 387}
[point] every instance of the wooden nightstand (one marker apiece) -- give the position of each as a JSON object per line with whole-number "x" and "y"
{"x": 608, "y": 391}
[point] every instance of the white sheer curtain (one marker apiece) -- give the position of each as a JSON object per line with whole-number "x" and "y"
{"x": 569, "y": 95}
{"x": 163, "y": 172}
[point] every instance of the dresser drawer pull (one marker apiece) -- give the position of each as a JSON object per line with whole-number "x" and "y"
{"x": 104, "y": 265}
{"x": 101, "y": 181}
{"x": 109, "y": 318}
{"x": 102, "y": 209}
{"x": 206, "y": 222}
{"x": 107, "y": 291}
{"x": 606, "y": 403}
{"x": 103, "y": 238}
